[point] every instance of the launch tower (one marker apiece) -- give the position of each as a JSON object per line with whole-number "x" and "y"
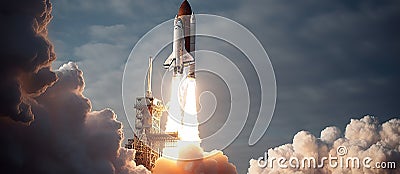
{"x": 149, "y": 139}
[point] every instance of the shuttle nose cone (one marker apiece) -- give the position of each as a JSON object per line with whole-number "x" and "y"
{"x": 185, "y": 9}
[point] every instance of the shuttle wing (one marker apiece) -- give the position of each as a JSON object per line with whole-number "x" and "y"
{"x": 187, "y": 58}
{"x": 169, "y": 61}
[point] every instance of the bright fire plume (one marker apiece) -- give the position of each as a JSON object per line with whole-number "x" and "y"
{"x": 190, "y": 124}
{"x": 174, "y": 110}
{"x": 182, "y": 115}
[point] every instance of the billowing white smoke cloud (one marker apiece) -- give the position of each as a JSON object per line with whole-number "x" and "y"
{"x": 66, "y": 136}
{"x": 363, "y": 138}
{"x": 205, "y": 163}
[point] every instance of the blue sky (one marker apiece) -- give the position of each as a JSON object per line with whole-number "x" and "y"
{"x": 333, "y": 60}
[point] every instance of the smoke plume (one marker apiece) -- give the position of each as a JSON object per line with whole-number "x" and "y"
{"x": 66, "y": 136}
{"x": 60, "y": 133}
{"x": 207, "y": 163}
{"x": 362, "y": 138}
{"x": 26, "y": 55}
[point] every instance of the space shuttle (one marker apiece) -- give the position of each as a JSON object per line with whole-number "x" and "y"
{"x": 183, "y": 49}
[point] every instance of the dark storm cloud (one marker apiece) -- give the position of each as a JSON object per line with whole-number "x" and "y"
{"x": 66, "y": 136}
{"x": 26, "y": 54}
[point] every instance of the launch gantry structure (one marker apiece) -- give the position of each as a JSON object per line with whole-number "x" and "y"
{"x": 149, "y": 139}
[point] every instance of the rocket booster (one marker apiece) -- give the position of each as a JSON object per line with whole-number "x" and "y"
{"x": 192, "y": 47}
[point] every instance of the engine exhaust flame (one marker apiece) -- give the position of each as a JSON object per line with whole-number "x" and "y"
{"x": 174, "y": 110}
{"x": 182, "y": 115}
{"x": 190, "y": 128}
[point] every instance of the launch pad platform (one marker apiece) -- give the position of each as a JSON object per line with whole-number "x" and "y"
{"x": 149, "y": 140}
